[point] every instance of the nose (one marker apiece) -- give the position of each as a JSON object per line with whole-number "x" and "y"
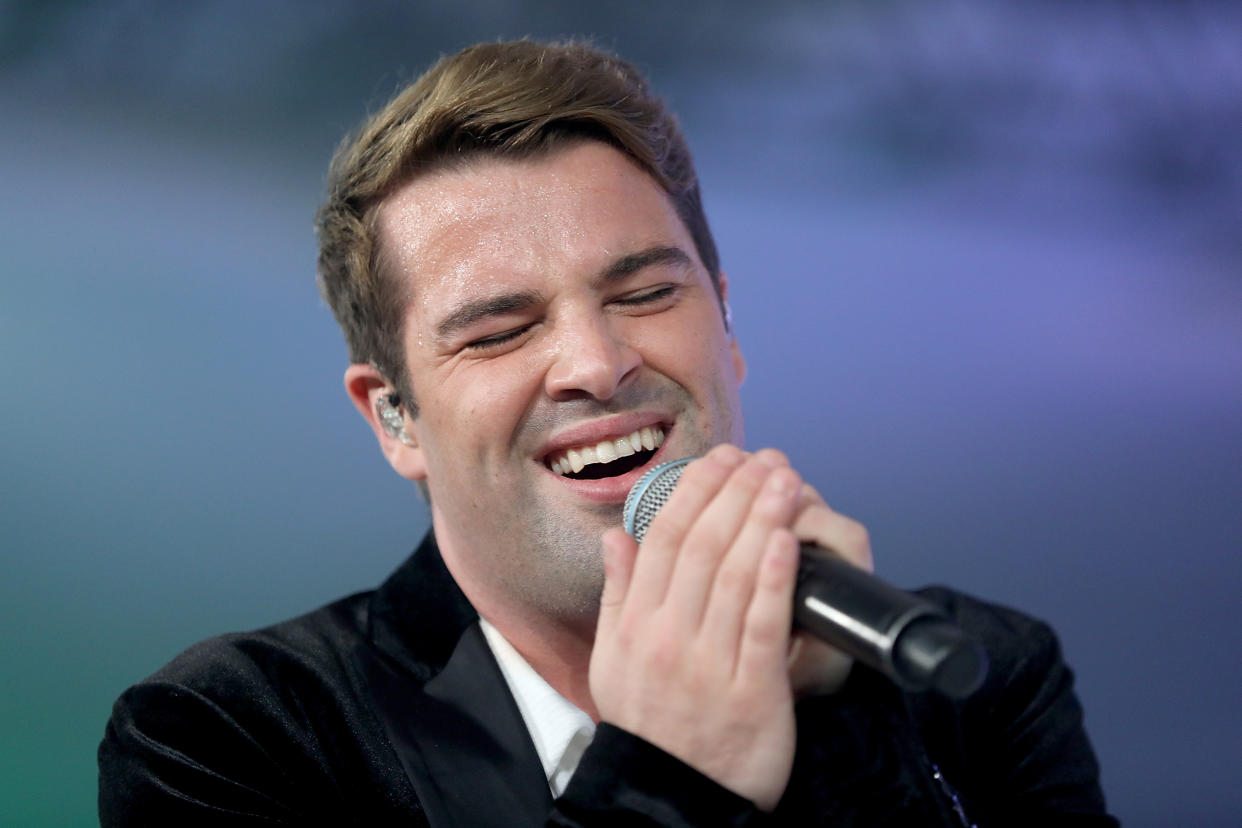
{"x": 592, "y": 360}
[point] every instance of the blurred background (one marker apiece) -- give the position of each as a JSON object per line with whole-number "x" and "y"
{"x": 986, "y": 266}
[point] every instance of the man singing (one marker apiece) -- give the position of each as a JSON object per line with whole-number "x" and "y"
{"x": 536, "y": 315}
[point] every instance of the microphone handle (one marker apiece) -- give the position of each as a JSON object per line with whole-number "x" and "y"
{"x": 908, "y": 639}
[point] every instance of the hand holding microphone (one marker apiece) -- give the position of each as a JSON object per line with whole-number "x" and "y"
{"x": 895, "y": 632}
{"x": 692, "y": 644}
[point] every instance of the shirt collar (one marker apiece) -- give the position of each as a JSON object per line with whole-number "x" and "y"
{"x": 560, "y": 730}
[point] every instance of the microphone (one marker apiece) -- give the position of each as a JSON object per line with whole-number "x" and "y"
{"x": 908, "y": 639}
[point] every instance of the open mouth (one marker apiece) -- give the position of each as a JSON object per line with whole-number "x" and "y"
{"x": 607, "y": 458}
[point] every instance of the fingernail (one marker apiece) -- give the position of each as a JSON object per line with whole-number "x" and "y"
{"x": 783, "y": 482}
{"x": 770, "y": 459}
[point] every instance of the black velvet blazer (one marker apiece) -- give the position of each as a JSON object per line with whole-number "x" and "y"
{"x": 387, "y": 708}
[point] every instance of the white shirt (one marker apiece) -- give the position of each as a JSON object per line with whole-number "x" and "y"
{"x": 559, "y": 729}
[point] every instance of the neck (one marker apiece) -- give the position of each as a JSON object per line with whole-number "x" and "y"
{"x": 557, "y": 648}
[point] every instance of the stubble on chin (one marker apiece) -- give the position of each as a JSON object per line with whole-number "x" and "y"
{"x": 561, "y": 574}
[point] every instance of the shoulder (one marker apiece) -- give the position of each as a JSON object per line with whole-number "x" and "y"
{"x": 1027, "y": 673}
{"x": 259, "y": 723}
{"x": 1026, "y": 669}
{"x": 1021, "y": 736}
{"x": 295, "y": 654}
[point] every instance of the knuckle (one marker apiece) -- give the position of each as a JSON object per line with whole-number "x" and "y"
{"x": 663, "y": 653}
{"x": 732, "y": 582}
{"x": 610, "y": 599}
{"x": 766, "y": 633}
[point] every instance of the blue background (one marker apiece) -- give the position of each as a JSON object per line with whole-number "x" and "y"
{"x": 986, "y": 267}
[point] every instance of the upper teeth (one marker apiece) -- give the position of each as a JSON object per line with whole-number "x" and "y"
{"x": 605, "y": 451}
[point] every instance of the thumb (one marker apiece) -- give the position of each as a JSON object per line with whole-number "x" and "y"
{"x": 620, "y": 550}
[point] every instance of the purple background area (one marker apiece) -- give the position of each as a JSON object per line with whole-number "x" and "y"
{"x": 985, "y": 266}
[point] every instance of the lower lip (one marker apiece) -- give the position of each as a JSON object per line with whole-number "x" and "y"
{"x": 612, "y": 490}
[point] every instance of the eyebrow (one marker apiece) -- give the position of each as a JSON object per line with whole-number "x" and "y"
{"x": 469, "y": 313}
{"x": 474, "y": 310}
{"x": 634, "y": 262}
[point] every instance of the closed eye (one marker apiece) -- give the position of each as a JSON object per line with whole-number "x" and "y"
{"x": 649, "y": 296}
{"x": 495, "y": 340}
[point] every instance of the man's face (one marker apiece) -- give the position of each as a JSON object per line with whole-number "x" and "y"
{"x": 558, "y": 314}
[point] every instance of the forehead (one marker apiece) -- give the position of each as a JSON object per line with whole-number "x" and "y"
{"x": 495, "y": 221}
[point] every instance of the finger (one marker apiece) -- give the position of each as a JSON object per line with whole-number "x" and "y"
{"x": 620, "y": 551}
{"x": 818, "y": 668}
{"x": 765, "y": 636}
{"x": 699, "y": 483}
{"x": 718, "y": 528}
{"x": 811, "y": 497}
{"x": 833, "y": 531}
{"x": 734, "y": 584}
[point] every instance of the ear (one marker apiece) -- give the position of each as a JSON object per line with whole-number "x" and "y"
{"x": 735, "y": 350}
{"x": 367, "y": 387}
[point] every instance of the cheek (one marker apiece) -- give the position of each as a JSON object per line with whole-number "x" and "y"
{"x": 485, "y": 404}
{"x": 697, "y": 347}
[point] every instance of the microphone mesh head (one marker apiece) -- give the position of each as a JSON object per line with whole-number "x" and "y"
{"x": 650, "y": 493}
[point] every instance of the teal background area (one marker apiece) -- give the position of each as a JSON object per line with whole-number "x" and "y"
{"x": 985, "y": 266}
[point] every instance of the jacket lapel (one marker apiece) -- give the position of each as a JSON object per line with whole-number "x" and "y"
{"x": 445, "y": 706}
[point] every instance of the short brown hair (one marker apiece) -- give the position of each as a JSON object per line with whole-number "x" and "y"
{"x": 514, "y": 99}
